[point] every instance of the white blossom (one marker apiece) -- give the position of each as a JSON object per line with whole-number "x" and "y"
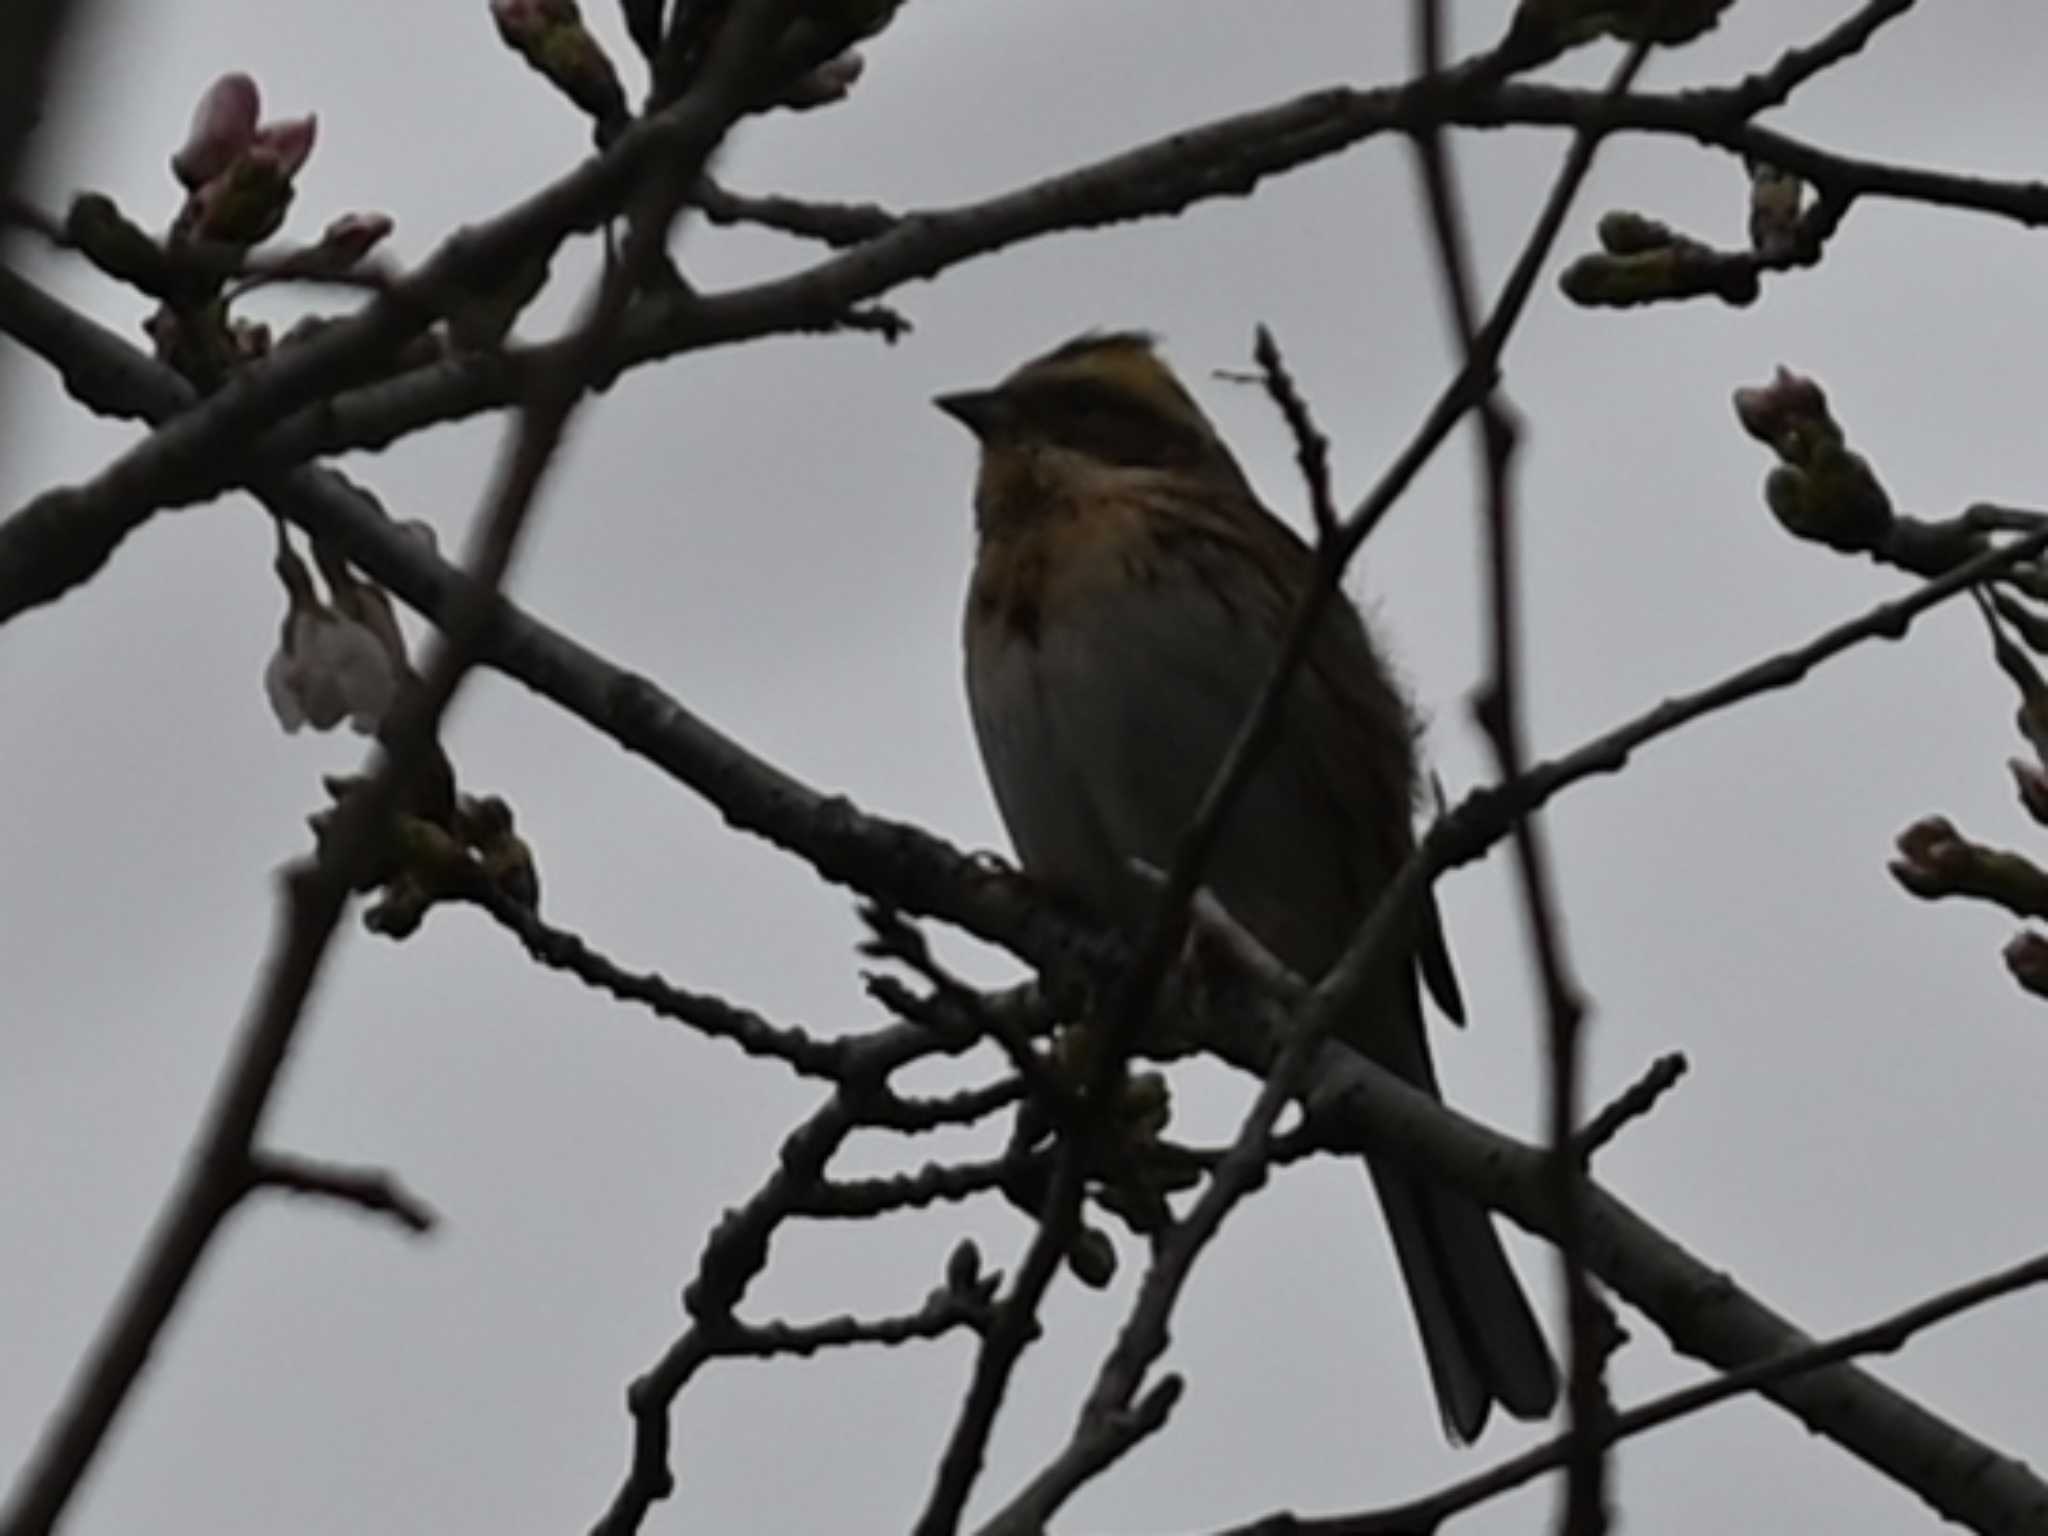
{"x": 327, "y": 669}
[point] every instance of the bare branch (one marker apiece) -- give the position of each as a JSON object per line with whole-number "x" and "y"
{"x": 60, "y": 538}
{"x": 933, "y": 1184}
{"x": 1499, "y": 710}
{"x": 1796, "y": 66}
{"x": 1097, "y": 1447}
{"x": 912, "y": 1115}
{"x": 1311, "y": 447}
{"x": 943, "y": 1313}
{"x": 1003, "y": 1344}
{"x": 839, "y": 225}
{"x": 920, "y": 874}
{"x": 891, "y": 861}
{"x": 1700, "y": 1307}
{"x": 1429, "y": 1512}
{"x": 561, "y": 950}
{"x": 1631, "y": 1105}
{"x": 164, "y": 271}
{"x": 375, "y": 1190}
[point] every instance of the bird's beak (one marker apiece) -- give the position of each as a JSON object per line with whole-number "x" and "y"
{"x": 978, "y": 410}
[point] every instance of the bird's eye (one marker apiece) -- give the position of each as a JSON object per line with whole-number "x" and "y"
{"x": 1112, "y": 425}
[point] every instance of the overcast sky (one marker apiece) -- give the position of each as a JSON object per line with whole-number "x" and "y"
{"x": 780, "y": 535}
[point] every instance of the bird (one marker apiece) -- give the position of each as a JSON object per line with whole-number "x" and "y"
{"x": 1128, "y": 597}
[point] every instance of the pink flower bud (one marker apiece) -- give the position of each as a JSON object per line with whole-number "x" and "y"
{"x": 1768, "y": 412}
{"x": 1930, "y": 840}
{"x": 351, "y": 237}
{"x": 1932, "y": 853}
{"x": 223, "y": 125}
{"x": 526, "y": 22}
{"x": 288, "y": 142}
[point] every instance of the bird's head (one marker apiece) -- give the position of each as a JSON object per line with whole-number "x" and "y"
{"x": 1081, "y": 419}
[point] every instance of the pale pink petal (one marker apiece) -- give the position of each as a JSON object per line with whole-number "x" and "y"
{"x": 223, "y": 125}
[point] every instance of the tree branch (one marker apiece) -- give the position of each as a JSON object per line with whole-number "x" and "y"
{"x": 61, "y": 537}
{"x": 375, "y": 1190}
{"x": 1637, "y": 1101}
{"x": 1428, "y": 1513}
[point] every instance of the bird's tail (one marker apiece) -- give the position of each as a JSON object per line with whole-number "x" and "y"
{"x": 1478, "y": 1332}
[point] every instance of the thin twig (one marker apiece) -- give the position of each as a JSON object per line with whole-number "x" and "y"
{"x": 1796, "y": 66}
{"x": 735, "y": 1252}
{"x": 933, "y": 1184}
{"x": 837, "y": 225}
{"x": 1634, "y": 1102}
{"x": 560, "y": 949}
{"x": 1311, "y": 447}
{"x": 912, "y": 1114}
{"x": 943, "y": 1313}
{"x": 1499, "y": 709}
{"x": 1003, "y": 1344}
{"x": 1086, "y": 1456}
{"x": 375, "y": 1190}
{"x": 170, "y": 268}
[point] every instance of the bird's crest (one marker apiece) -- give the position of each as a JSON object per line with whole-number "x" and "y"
{"x": 1127, "y": 362}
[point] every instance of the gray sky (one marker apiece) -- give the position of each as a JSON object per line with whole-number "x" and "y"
{"x": 779, "y": 534}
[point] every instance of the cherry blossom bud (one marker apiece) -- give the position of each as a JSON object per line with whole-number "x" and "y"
{"x": 288, "y": 142}
{"x": 1931, "y": 854}
{"x": 348, "y": 239}
{"x": 550, "y": 36}
{"x": 242, "y": 206}
{"x": 1789, "y": 404}
{"x": 223, "y": 125}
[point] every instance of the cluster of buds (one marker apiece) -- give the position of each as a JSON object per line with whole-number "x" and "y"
{"x": 238, "y": 175}
{"x": 441, "y": 846}
{"x": 1642, "y": 260}
{"x": 1820, "y": 490}
{"x": 237, "y": 171}
{"x": 1935, "y": 860}
{"x": 1134, "y": 1169}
